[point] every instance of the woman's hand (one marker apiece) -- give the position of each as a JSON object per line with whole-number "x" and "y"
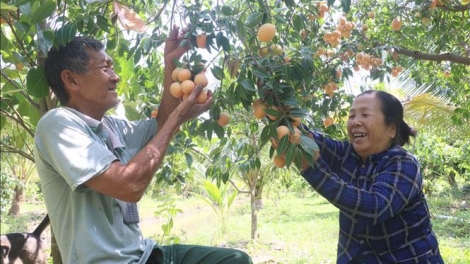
{"x": 305, "y": 165}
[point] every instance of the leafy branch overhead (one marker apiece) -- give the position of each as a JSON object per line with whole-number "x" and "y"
{"x": 287, "y": 62}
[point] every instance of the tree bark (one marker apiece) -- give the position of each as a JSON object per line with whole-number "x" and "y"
{"x": 16, "y": 202}
{"x": 432, "y": 57}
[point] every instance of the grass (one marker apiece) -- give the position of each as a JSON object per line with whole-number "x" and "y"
{"x": 291, "y": 229}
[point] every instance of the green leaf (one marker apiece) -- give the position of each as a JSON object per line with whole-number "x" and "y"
{"x": 241, "y": 29}
{"x": 290, "y": 3}
{"x": 280, "y": 19}
{"x": 219, "y": 131}
{"x": 36, "y": 82}
{"x": 254, "y": 19}
{"x": 346, "y": 5}
{"x": 308, "y": 144}
{"x": 65, "y": 34}
{"x": 44, "y": 11}
{"x": 248, "y": 84}
{"x": 189, "y": 159}
{"x": 218, "y": 72}
{"x": 283, "y": 145}
{"x": 227, "y": 10}
{"x": 45, "y": 39}
{"x": 3, "y": 121}
{"x": 5, "y": 44}
{"x": 7, "y": 7}
{"x": 231, "y": 198}
{"x": 103, "y": 23}
{"x": 213, "y": 192}
{"x": 290, "y": 154}
{"x": 261, "y": 74}
{"x": 223, "y": 42}
{"x": 298, "y": 23}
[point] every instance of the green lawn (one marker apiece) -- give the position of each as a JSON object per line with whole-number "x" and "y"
{"x": 294, "y": 229}
{"x": 291, "y": 229}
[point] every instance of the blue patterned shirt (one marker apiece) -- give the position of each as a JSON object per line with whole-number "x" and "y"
{"x": 384, "y": 216}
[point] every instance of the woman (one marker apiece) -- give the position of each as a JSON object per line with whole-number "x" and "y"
{"x": 377, "y": 186}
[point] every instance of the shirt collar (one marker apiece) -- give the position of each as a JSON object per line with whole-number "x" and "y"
{"x": 378, "y": 156}
{"x": 93, "y": 123}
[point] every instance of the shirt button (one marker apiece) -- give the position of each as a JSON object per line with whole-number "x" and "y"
{"x": 361, "y": 242}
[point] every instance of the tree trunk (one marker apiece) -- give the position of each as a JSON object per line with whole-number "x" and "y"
{"x": 256, "y": 205}
{"x": 254, "y": 214}
{"x": 451, "y": 179}
{"x": 16, "y": 202}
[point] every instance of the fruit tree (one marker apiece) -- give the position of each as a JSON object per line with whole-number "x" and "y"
{"x": 287, "y": 62}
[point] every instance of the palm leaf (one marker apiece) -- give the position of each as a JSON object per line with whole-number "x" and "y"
{"x": 427, "y": 111}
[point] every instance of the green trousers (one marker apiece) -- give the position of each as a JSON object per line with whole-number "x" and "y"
{"x": 192, "y": 254}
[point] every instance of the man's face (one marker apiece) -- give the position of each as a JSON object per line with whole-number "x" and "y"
{"x": 366, "y": 127}
{"x": 97, "y": 88}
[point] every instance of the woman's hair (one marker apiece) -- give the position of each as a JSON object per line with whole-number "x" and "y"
{"x": 392, "y": 110}
{"x": 74, "y": 57}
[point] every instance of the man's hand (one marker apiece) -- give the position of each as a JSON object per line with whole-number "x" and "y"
{"x": 189, "y": 108}
{"x": 173, "y": 52}
{"x": 173, "y": 48}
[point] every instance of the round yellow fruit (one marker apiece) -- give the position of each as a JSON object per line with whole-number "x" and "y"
{"x": 174, "y": 74}
{"x": 279, "y": 161}
{"x": 277, "y": 49}
{"x": 175, "y": 90}
{"x": 266, "y": 32}
{"x": 396, "y": 24}
{"x": 184, "y": 74}
{"x": 223, "y": 119}
{"x": 201, "y": 41}
{"x": 187, "y": 86}
{"x": 328, "y": 122}
{"x": 201, "y": 79}
{"x": 282, "y": 131}
{"x": 263, "y": 52}
{"x": 295, "y": 138}
{"x": 202, "y": 98}
{"x": 295, "y": 121}
{"x": 259, "y": 111}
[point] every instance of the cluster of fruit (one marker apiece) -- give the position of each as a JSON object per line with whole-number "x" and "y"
{"x": 396, "y": 70}
{"x": 366, "y": 61}
{"x": 330, "y": 88}
{"x": 294, "y": 137}
{"x": 343, "y": 29}
{"x": 185, "y": 82}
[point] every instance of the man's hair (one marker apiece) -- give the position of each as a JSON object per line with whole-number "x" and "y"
{"x": 74, "y": 57}
{"x": 392, "y": 110}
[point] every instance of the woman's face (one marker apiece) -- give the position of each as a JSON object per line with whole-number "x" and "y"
{"x": 367, "y": 131}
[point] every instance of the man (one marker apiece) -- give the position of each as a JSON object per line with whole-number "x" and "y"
{"x": 94, "y": 168}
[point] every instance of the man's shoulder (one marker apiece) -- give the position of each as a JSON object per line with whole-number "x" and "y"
{"x": 58, "y": 117}
{"x": 55, "y": 113}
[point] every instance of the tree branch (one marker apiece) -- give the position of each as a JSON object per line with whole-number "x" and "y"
{"x": 16, "y": 117}
{"x": 236, "y": 187}
{"x": 14, "y": 150}
{"x": 457, "y": 8}
{"x": 159, "y": 13}
{"x": 432, "y": 57}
